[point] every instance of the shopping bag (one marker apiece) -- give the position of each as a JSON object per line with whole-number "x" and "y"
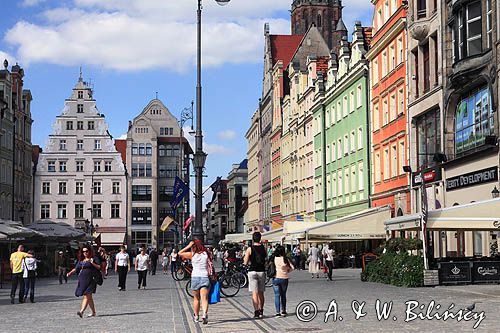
{"x": 214, "y": 295}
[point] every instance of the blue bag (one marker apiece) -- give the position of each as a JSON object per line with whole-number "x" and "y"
{"x": 214, "y": 295}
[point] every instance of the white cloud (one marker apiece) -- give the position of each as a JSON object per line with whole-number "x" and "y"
{"x": 8, "y": 57}
{"x": 122, "y": 137}
{"x": 226, "y": 135}
{"x": 131, "y": 35}
{"x": 31, "y": 3}
{"x": 209, "y": 148}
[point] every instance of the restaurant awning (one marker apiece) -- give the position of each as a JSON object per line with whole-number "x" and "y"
{"x": 237, "y": 238}
{"x": 273, "y": 236}
{"x": 479, "y": 216}
{"x": 298, "y": 228}
{"x": 366, "y": 224}
{"x": 112, "y": 238}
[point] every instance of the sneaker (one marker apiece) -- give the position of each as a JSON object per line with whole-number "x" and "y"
{"x": 277, "y": 314}
{"x": 205, "y": 319}
{"x": 144, "y": 287}
{"x": 139, "y": 287}
{"x": 196, "y": 318}
{"x": 284, "y": 314}
{"x": 120, "y": 288}
{"x": 261, "y": 313}
{"x": 256, "y": 314}
{"x": 80, "y": 314}
{"x": 91, "y": 315}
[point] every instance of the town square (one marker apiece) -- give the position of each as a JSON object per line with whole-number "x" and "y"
{"x": 257, "y": 166}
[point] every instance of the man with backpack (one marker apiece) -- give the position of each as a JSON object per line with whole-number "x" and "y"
{"x": 256, "y": 256}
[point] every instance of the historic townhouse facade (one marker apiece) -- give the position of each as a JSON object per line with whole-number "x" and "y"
{"x": 252, "y": 137}
{"x": 341, "y": 128}
{"x": 154, "y": 150}
{"x": 237, "y": 188}
{"x": 80, "y": 177}
{"x": 388, "y": 91}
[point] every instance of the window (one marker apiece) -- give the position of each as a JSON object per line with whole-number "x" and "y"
{"x": 402, "y": 157}
{"x": 351, "y": 101}
{"x": 107, "y": 166}
{"x": 361, "y": 177}
{"x": 115, "y": 211}
{"x": 379, "y": 18}
{"x": 421, "y": 8}
{"x": 141, "y": 170}
{"x": 386, "y": 10}
{"x": 79, "y": 125}
{"x": 45, "y": 211}
{"x": 339, "y": 148}
{"x": 360, "y": 138}
{"x": 474, "y": 120}
{"x": 141, "y": 193}
{"x": 340, "y": 183}
{"x": 334, "y": 185}
{"x": 359, "y": 95}
{"x": 142, "y": 150}
{"x": 161, "y": 150}
{"x": 135, "y": 150}
{"x": 384, "y": 63}
{"x": 327, "y": 121}
{"x": 339, "y": 111}
{"x": 393, "y": 107}
{"x": 149, "y": 149}
{"x": 394, "y": 161}
{"x": 386, "y": 163}
{"x": 332, "y": 116}
{"x": 386, "y": 112}
{"x": 489, "y": 24}
{"x": 334, "y": 151}
{"x": 394, "y": 6}
{"x": 78, "y": 211}
{"x": 97, "y": 187}
{"x": 79, "y": 144}
{"x": 427, "y": 69}
{"x": 61, "y": 211}
{"x": 376, "y": 117}
{"x": 376, "y": 168}
{"x": 328, "y": 152}
{"x": 79, "y": 187}
{"x": 353, "y": 141}
{"x": 97, "y": 166}
{"x": 428, "y": 138}
{"x": 392, "y": 58}
{"x": 346, "y": 144}
{"x": 96, "y": 211}
{"x": 347, "y": 183}
{"x": 469, "y": 29}
{"x": 353, "y": 179}
{"x": 400, "y": 50}
{"x": 97, "y": 144}
{"x": 62, "y": 188}
{"x": 79, "y": 108}
{"x": 80, "y": 94}
{"x": 141, "y": 215}
{"x": 62, "y": 144}
{"x": 69, "y": 125}
{"x": 375, "y": 72}
{"x": 401, "y": 101}
{"x": 344, "y": 107}
{"x": 79, "y": 166}
{"x": 46, "y": 188}
{"x": 62, "y": 166}
{"x": 141, "y": 237}
{"x": 116, "y": 187}
{"x": 90, "y": 125}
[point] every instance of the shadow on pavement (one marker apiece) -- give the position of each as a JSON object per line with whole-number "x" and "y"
{"x": 125, "y": 314}
{"x": 41, "y": 299}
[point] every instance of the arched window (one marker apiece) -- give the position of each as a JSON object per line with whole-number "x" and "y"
{"x": 318, "y": 20}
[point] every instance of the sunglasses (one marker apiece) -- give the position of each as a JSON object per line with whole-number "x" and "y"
{"x": 85, "y": 251}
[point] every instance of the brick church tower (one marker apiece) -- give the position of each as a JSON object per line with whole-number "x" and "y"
{"x": 326, "y": 15}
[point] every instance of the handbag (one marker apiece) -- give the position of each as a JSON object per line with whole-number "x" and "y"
{"x": 211, "y": 269}
{"x": 271, "y": 269}
{"x": 214, "y": 294}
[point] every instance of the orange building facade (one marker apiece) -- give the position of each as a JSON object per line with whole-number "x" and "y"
{"x": 389, "y": 131}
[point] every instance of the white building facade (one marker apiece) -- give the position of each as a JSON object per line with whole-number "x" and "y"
{"x": 80, "y": 177}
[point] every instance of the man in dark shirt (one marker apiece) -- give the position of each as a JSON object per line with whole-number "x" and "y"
{"x": 62, "y": 265}
{"x": 256, "y": 256}
{"x": 153, "y": 257}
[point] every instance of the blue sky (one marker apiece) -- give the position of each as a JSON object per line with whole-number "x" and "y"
{"x": 131, "y": 49}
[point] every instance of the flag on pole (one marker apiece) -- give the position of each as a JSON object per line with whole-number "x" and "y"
{"x": 188, "y": 222}
{"x": 167, "y": 221}
{"x": 180, "y": 191}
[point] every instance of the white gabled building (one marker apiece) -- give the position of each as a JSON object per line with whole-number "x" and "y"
{"x": 80, "y": 171}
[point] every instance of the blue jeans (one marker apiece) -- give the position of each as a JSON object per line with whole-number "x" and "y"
{"x": 280, "y": 286}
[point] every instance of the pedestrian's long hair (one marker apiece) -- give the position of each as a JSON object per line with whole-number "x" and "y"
{"x": 198, "y": 247}
{"x": 280, "y": 252}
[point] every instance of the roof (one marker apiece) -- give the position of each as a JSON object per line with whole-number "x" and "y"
{"x": 368, "y": 34}
{"x": 322, "y": 64}
{"x": 244, "y": 164}
{"x": 121, "y": 147}
{"x": 35, "y": 154}
{"x": 283, "y": 47}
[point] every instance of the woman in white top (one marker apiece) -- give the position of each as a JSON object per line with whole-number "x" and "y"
{"x": 141, "y": 267}
{"x": 314, "y": 261}
{"x": 29, "y": 275}
{"x": 122, "y": 266}
{"x": 329, "y": 260}
{"x": 200, "y": 282}
{"x": 173, "y": 261}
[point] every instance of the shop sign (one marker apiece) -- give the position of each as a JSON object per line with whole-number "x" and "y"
{"x": 486, "y": 271}
{"x": 454, "y": 272}
{"x": 430, "y": 176}
{"x": 472, "y": 178}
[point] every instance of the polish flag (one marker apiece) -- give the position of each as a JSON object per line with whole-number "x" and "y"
{"x": 188, "y": 222}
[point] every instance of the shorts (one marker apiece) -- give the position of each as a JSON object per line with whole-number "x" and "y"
{"x": 198, "y": 282}
{"x": 256, "y": 281}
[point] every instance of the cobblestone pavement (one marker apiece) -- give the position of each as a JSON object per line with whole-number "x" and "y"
{"x": 164, "y": 307}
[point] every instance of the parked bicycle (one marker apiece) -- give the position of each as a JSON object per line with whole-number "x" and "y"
{"x": 183, "y": 271}
{"x": 229, "y": 284}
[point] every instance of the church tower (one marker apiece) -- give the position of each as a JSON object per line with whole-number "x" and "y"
{"x": 326, "y": 15}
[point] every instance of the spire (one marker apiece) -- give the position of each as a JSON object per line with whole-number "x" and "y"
{"x": 341, "y": 26}
{"x": 80, "y": 79}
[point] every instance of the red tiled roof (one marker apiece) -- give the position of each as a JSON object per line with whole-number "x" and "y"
{"x": 35, "y": 153}
{"x": 121, "y": 147}
{"x": 322, "y": 64}
{"x": 283, "y": 47}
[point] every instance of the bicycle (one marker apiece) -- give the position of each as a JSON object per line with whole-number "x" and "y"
{"x": 183, "y": 272}
{"x": 229, "y": 285}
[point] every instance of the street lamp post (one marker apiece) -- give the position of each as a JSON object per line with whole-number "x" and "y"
{"x": 199, "y": 155}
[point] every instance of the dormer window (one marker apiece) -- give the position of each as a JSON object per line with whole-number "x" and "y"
{"x": 79, "y": 108}
{"x": 80, "y": 94}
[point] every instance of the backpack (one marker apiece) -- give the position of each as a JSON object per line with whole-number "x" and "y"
{"x": 259, "y": 260}
{"x": 271, "y": 269}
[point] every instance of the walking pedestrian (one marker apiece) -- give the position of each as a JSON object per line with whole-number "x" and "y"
{"x": 86, "y": 270}
{"x": 122, "y": 267}
{"x": 29, "y": 276}
{"x": 164, "y": 260}
{"x": 141, "y": 267}
{"x": 153, "y": 257}
{"x": 16, "y": 267}
{"x": 329, "y": 260}
{"x": 108, "y": 264}
{"x": 220, "y": 256}
{"x": 103, "y": 255}
{"x": 200, "y": 283}
{"x": 314, "y": 260}
{"x": 297, "y": 254}
{"x": 280, "y": 281}
{"x": 62, "y": 265}
{"x": 256, "y": 256}
{"x": 173, "y": 260}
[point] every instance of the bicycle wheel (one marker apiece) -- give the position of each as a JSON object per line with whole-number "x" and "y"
{"x": 179, "y": 274}
{"x": 229, "y": 285}
{"x": 269, "y": 281}
{"x": 242, "y": 279}
{"x": 189, "y": 291}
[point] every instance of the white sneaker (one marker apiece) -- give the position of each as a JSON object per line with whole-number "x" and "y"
{"x": 196, "y": 318}
{"x": 205, "y": 319}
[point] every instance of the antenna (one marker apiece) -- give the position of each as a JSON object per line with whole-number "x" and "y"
{"x": 156, "y": 95}
{"x": 81, "y": 75}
